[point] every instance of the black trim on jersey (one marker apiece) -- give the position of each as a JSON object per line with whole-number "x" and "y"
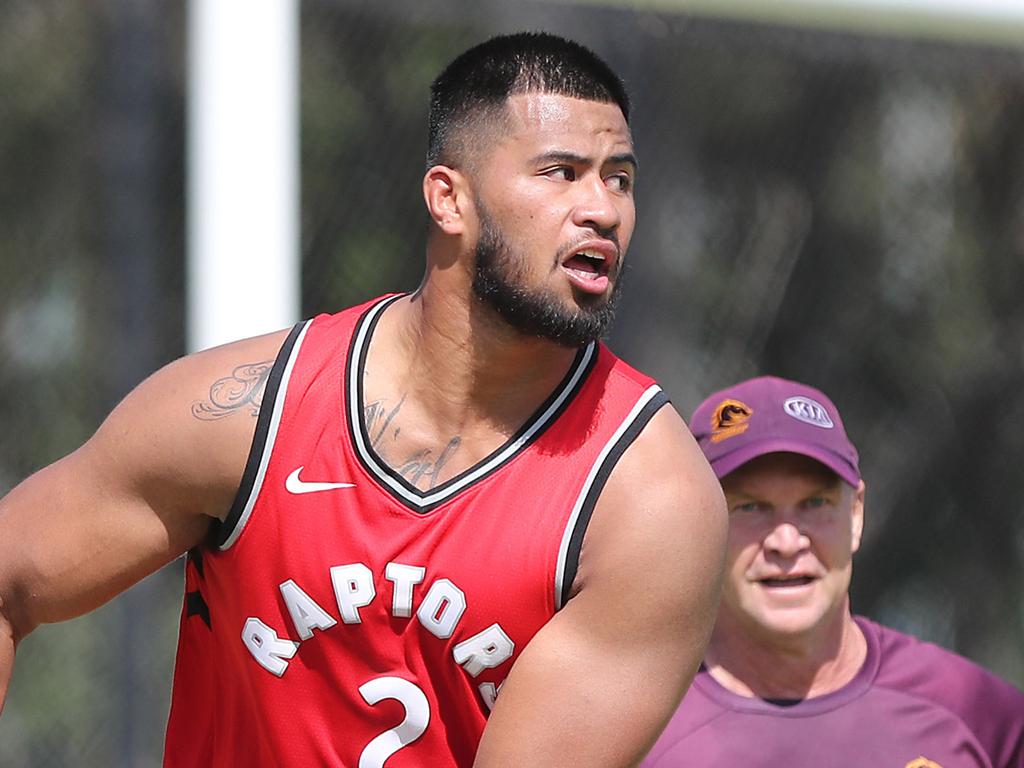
{"x": 195, "y": 605}
{"x": 572, "y": 558}
{"x": 221, "y": 532}
{"x": 347, "y": 383}
{"x": 530, "y": 423}
{"x": 195, "y": 557}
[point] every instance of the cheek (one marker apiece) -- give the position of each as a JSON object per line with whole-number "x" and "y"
{"x": 532, "y": 198}
{"x": 627, "y": 226}
{"x": 535, "y": 223}
{"x": 837, "y": 547}
{"x": 736, "y": 590}
{"x": 741, "y": 552}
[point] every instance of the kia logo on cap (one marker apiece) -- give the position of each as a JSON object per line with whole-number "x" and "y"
{"x": 808, "y": 411}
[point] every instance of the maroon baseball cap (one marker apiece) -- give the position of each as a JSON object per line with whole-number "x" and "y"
{"x": 769, "y": 415}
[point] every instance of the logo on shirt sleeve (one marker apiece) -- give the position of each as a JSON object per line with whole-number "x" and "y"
{"x": 922, "y": 762}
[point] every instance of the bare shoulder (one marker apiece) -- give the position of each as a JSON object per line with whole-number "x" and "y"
{"x": 189, "y": 425}
{"x": 631, "y": 636}
{"x": 138, "y": 493}
{"x": 664, "y": 461}
{"x": 232, "y": 378}
{"x": 662, "y": 506}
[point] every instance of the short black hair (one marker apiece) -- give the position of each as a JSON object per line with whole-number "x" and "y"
{"x": 478, "y": 83}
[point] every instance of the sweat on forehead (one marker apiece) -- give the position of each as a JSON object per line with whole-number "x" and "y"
{"x": 471, "y": 94}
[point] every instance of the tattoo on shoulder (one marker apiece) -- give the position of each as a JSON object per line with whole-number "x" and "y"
{"x": 241, "y": 391}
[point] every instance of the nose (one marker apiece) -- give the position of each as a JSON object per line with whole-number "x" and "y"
{"x": 786, "y": 540}
{"x": 597, "y": 207}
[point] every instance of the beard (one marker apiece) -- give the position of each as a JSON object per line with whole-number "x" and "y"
{"x": 499, "y": 281}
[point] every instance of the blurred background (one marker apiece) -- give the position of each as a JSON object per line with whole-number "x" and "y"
{"x": 839, "y": 201}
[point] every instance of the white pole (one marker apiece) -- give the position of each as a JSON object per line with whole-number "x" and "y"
{"x": 242, "y": 274}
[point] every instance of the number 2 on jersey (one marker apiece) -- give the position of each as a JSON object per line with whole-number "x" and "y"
{"x": 417, "y": 717}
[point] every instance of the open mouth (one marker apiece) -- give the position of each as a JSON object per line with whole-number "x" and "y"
{"x": 786, "y": 581}
{"x": 589, "y": 268}
{"x": 589, "y": 265}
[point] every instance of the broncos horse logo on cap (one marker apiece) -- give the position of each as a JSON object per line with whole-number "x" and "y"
{"x": 729, "y": 418}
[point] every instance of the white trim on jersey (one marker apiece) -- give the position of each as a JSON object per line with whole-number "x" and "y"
{"x": 447, "y": 491}
{"x": 268, "y": 443}
{"x": 563, "y": 550}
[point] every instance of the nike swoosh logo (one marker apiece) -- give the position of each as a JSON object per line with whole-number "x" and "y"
{"x": 295, "y": 485}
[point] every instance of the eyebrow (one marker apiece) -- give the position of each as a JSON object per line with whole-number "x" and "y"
{"x": 818, "y": 490}
{"x": 574, "y": 158}
{"x": 740, "y": 496}
{"x": 831, "y": 484}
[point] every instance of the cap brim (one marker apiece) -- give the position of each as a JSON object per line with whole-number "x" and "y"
{"x": 732, "y": 461}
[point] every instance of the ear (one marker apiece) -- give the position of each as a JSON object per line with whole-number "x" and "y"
{"x": 858, "y": 516}
{"x": 444, "y": 191}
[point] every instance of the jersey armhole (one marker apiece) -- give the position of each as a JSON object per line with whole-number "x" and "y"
{"x": 226, "y": 533}
{"x": 643, "y": 411}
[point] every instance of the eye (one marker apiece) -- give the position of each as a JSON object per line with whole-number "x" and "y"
{"x": 817, "y": 509}
{"x": 619, "y": 182}
{"x": 561, "y": 173}
{"x": 747, "y": 508}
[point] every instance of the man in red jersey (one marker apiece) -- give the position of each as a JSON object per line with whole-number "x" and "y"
{"x": 791, "y": 677}
{"x": 428, "y": 514}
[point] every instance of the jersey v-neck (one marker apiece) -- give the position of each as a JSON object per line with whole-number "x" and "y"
{"x": 390, "y": 480}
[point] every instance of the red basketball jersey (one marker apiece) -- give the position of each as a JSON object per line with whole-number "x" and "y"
{"x": 343, "y": 617}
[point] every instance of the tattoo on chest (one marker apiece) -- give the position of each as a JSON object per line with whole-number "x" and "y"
{"x": 422, "y": 468}
{"x": 378, "y": 420}
{"x": 241, "y": 391}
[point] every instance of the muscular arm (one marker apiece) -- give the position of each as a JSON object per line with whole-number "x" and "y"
{"x": 597, "y": 684}
{"x": 140, "y": 492}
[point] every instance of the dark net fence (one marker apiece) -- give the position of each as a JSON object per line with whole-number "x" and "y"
{"x": 844, "y": 210}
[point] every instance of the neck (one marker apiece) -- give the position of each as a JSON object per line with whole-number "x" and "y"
{"x": 454, "y": 355}
{"x": 787, "y": 667}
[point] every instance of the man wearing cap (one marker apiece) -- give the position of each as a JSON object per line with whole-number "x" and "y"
{"x": 791, "y": 677}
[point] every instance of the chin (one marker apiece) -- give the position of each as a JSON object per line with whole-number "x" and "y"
{"x": 788, "y": 622}
{"x": 791, "y": 626}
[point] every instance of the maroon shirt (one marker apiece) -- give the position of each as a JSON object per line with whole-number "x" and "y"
{"x": 911, "y": 705}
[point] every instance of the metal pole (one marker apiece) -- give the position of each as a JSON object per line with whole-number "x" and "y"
{"x": 242, "y": 273}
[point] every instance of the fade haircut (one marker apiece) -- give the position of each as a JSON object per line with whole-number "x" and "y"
{"x": 473, "y": 90}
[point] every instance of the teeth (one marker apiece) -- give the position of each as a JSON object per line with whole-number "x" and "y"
{"x": 585, "y": 275}
{"x": 592, "y": 255}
